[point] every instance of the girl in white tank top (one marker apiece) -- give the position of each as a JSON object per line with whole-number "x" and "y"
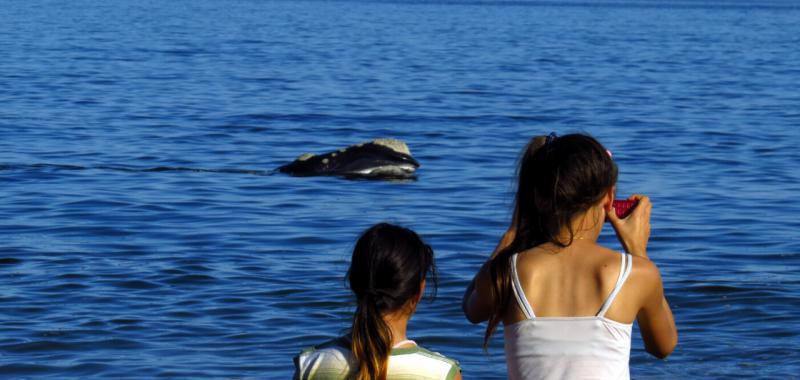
{"x": 565, "y": 193}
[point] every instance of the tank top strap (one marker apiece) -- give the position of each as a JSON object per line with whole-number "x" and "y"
{"x": 519, "y": 294}
{"x": 625, "y": 265}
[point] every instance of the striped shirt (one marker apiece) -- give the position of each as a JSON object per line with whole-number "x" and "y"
{"x": 333, "y": 360}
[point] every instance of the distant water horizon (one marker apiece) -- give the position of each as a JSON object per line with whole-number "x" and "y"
{"x": 144, "y": 234}
{"x": 706, "y": 4}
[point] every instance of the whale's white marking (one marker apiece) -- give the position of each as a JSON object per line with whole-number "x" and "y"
{"x": 393, "y": 144}
{"x": 305, "y": 156}
{"x": 389, "y": 170}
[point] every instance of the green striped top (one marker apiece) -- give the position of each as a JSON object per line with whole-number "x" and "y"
{"x": 333, "y": 360}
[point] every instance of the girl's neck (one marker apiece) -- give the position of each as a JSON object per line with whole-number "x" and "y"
{"x": 586, "y": 227}
{"x": 397, "y": 322}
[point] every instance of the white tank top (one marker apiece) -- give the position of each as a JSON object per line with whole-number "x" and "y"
{"x": 568, "y": 347}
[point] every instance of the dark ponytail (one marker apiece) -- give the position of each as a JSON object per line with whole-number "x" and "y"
{"x": 386, "y": 272}
{"x": 371, "y": 341}
{"x": 558, "y": 179}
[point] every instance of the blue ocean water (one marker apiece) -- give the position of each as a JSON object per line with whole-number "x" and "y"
{"x": 143, "y": 236}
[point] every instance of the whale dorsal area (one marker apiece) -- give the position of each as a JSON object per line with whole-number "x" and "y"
{"x": 379, "y": 158}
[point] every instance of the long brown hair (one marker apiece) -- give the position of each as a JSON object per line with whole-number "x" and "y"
{"x": 388, "y": 266}
{"x": 558, "y": 179}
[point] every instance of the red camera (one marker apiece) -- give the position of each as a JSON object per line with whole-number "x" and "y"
{"x": 624, "y": 207}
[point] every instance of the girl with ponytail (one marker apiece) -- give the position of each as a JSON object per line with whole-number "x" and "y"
{"x": 388, "y": 273}
{"x": 567, "y": 303}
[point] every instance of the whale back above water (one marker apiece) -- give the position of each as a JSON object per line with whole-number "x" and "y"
{"x": 380, "y": 158}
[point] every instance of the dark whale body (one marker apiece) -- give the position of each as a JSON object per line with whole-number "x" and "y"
{"x": 380, "y": 159}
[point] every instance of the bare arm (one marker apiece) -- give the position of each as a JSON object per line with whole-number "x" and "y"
{"x": 477, "y": 299}
{"x": 656, "y": 322}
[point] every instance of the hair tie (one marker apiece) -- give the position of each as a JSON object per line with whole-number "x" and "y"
{"x": 550, "y": 138}
{"x": 378, "y": 293}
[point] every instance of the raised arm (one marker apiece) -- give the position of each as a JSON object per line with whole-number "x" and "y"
{"x": 656, "y": 322}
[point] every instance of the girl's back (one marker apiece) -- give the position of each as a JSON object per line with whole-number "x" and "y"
{"x": 333, "y": 360}
{"x": 575, "y": 282}
{"x": 559, "y": 325}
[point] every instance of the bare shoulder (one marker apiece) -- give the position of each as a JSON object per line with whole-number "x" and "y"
{"x": 645, "y": 268}
{"x": 645, "y": 275}
{"x": 606, "y": 252}
{"x": 608, "y": 256}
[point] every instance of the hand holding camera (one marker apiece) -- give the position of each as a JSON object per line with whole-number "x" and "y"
{"x": 631, "y": 221}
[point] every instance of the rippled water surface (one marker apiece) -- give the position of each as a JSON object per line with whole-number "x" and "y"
{"x": 142, "y": 234}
